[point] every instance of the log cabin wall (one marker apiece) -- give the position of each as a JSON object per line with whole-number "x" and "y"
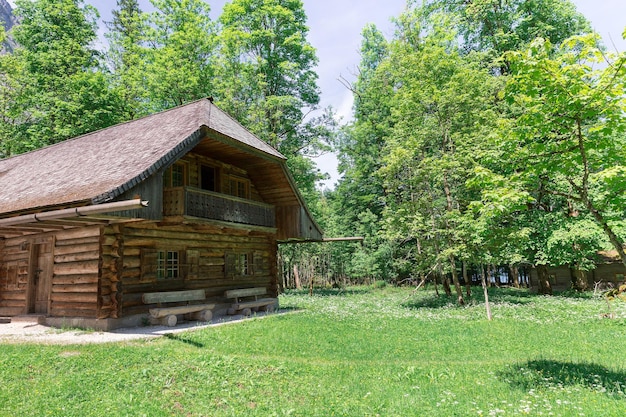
{"x": 561, "y": 277}
{"x": 293, "y": 221}
{"x": 614, "y": 273}
{"x": 14, "y": 256}
{"x": 52, "y": 274}
{"x": 211, "y": 258}
{"x": 112, "y": 250}
{"x": 75, "y": 289}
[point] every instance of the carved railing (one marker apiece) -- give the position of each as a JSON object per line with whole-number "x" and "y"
{"x": 187, "y": 201}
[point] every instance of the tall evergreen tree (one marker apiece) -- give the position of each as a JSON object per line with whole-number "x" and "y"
{"x": 127, "y": 56}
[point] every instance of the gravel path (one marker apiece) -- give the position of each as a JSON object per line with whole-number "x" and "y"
{"x": 27, "y": 332}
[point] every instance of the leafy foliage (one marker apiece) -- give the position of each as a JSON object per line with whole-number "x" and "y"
{"x": 267, "y": 81}
{"x": 55, "y": 87}
{"x": 486, "y": 144}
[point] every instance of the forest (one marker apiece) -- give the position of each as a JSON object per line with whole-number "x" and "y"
{"x": 486, "y": 134}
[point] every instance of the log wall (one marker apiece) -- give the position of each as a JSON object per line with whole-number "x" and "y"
{"x": 74, "y": 291}
{"x": 14, "y": 256}
{"x": 561, "y": 277}
{"x": 74, "y": 258}
{"x": 203, "y": 250}
{"x": 293, "y": 221}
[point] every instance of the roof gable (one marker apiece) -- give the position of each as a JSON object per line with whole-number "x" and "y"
{"x": 99, "y": 166}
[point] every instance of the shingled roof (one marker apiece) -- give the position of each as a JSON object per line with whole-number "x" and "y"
{"x": 100, "y": 166}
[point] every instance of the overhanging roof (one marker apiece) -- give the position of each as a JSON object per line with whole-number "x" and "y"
{"x": 99, "y": 167}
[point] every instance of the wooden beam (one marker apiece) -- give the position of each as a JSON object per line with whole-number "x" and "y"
{"x": 343, "y": 239}
{"x": 75, "y": 212}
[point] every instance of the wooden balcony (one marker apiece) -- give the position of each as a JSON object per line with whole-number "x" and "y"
{"x": 194, "y": 202}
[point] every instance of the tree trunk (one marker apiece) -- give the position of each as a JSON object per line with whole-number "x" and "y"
{"x": 296, "y": 277}
{"x": 489, "y": 276}
{"x": 486, "y": 294}
{"x": 468, "y": 281}
{"x": 514, "y": 275}
{"x": 281, "y": 281}
{"x": 420, "y": 273}
{"x": 446, "y": 286}
{"x": 543, "y": 280}
{"x": 618, "y": 245}
{"x": 579, "y": 279}
{"x": 455, "y": 280}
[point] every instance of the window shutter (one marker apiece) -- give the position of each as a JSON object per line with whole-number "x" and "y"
{"x": 192, "y": 264}
{"x": 230, "y": 261}
{"x": 257, "y": 263}
{"x": 148, "y": 264}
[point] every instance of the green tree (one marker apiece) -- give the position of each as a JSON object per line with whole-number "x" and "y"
{"x": 498, "y": 26}
{"x": 443, "y": 110}
{"x": 181, "y": 54}
{"x": 359, "y": 195}
{"x": 567, "y": 138}
{"x": 127, "y": 56}
{"x": 268, "y": 83}
{"x": 64, "y": 91}
{"x": 268, "y": 68}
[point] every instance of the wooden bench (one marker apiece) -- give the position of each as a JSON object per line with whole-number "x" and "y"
{"x": 251, "y": 301}
{"x": 167, "y": 315}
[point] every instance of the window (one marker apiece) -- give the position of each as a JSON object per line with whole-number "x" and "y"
{"x": 238, "y": 264}
{"x": 238, "y": 187}
{"x": 168, "y": 264}
{"x": 242, "y": 264}
{"x": 175, "y": 175}
{"x": 208, "y": 178}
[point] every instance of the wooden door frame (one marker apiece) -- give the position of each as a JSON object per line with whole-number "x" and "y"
{"x": 33, "y": 267}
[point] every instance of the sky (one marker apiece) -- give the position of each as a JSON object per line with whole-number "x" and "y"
{"x": 335, "y": 31}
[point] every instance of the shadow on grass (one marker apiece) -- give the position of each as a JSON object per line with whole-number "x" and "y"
{"x": 183, "y": 339}
{"x": 496, "y": 296}
{"x": 546, "y": 373}
{"x": 288, "y": 309}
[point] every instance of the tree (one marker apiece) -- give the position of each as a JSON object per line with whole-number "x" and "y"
{"x": 268, "y": 83}
{"x": 127, "y": 56}
{"x": 443, "y": 110}
{"x": 498, "y": 26}
{"x": 181, "y": 56}
{"x": 359, "y": 195}
{"x": 268, "y": 68}
{"x": 567, "y": 138}
{"x": 64, "y": 91}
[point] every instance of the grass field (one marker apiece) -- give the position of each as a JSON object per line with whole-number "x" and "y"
{"x": 356, "y": 352}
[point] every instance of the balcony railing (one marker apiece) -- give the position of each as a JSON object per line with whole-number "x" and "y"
{"x": 187, "y": 201}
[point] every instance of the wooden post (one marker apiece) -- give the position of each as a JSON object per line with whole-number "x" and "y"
{"x": 484, "y": 284}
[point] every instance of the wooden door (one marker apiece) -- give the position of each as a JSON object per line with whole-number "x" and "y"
{"x": 41, "y": 276}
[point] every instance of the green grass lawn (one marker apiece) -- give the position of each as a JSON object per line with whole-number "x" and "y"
{"x": 354, "y": 352}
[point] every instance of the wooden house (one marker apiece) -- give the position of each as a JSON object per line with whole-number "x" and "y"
{"x": 609, "y": 272}
{"x": 186, "y": 199}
